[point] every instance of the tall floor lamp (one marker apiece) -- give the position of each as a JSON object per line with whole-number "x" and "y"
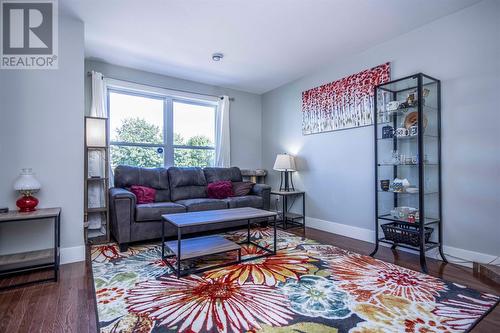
{"x": 286, "y": 165}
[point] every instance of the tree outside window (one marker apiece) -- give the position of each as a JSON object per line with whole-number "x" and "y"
{"x": 140, "y": 131}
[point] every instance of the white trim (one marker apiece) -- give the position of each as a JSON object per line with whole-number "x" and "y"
{"x": 463, "y": 254}
{"x": 368, "y": 235}
{"x": 363, "y": 234}
{"x": 160, "y": 92}
{"x": 72, "y": 254}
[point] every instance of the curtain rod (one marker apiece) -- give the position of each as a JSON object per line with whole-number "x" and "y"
{"x": 183, "y": 91}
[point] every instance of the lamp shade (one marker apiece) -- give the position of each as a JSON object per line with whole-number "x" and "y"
{"x": 284, "y": 162}
{"x": 95, "y": 132}
{"x": 27, "y": 181}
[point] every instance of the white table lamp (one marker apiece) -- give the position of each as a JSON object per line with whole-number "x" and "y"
{"x": 286, "y": 165}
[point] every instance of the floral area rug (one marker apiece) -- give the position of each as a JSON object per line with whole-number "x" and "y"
{"x": 305, "y": 287}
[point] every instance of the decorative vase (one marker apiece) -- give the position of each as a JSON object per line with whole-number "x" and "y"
{"x": 27, "y": 203}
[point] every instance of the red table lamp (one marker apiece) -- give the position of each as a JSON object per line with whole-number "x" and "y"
{"x": 27, "y": 184}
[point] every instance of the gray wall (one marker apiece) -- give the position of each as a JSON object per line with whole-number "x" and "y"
{"x": 41, "y": 126}
{"x": 336, "y": 169}
{"x": 245, "y": 111}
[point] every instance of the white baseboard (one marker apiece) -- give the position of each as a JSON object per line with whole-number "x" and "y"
{"x": 363, "y": 234}
{"x": 463, "y": 254}
{"x": 368, "y": 235}
{"x": 72, "y": 254}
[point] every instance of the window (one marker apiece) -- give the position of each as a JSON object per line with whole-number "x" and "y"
{"x": 194, "y": 134}
{"x": 136, "y": 130}
{"x": 152, "y": 130}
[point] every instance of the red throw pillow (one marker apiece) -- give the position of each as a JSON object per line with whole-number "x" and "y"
{"x": 220, "y": 190}
{"x": 242, "y": 188}
{"x": 144, "y": 194}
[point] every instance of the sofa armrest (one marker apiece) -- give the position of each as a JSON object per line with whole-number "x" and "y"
{"x": 122, "y": 210}
{"x": 263, "y": 191}
{"x": 121, "y": 193}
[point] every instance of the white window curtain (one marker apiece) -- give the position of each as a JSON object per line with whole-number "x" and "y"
{"x": 222, "y": 134}
{"x": 98, "y": 106}
{"x": 96, "y": 158}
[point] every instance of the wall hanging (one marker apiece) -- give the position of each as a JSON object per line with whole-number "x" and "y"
{"x": 342, "y": 104}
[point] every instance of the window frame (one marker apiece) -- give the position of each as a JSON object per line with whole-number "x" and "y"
{"x": 168, "y": 119}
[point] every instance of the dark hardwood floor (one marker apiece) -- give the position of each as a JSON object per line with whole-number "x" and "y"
{"x": 66, "y": 306}
{"x": 69, "y": 305}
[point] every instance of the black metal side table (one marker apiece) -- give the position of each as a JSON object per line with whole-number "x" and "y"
{"x": 288, "y": 217}
{"x": 25, "y": 262}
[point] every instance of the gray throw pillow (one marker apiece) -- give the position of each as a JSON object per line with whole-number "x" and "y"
{"x": 242, "y": 188}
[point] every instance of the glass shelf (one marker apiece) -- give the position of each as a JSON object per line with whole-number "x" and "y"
{"x": 407, "y": 193}
{"x": 409, "y": 165}
{"x": 405, "y": 111}
{"x": 389, "y": 217}
{"x": 428, "y": 246}
{"x": 408, "y": 137}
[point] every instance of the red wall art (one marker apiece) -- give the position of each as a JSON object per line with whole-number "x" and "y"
{"x": 342, "y": 104}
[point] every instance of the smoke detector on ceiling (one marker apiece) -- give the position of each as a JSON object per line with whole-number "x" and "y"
{"x": 217, "y": 56}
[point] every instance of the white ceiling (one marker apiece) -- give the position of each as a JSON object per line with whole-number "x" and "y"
{"x": 266, "y": 43}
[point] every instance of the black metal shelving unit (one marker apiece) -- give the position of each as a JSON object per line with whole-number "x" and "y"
{"x": 408, "y": 146}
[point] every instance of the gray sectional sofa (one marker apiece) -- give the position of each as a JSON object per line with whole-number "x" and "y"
{"x": 178, "y": 190}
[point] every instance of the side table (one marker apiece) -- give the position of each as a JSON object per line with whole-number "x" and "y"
{"x": 25, "y": 262}
{"x": 287, "y": 217}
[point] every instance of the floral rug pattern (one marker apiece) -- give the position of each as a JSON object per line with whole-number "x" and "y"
{"x": 305, "y": 287}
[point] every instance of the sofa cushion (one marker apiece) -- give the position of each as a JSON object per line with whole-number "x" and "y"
{"x": 143, "y": 194}
{"x": 199, "y": 204}
{"x": 154, "y": 211}
{"x": 245, "y": 201}
{"x": 125, "y": 176}
{"x": 187, "y": 183}
{"x": 220, "y": 190}
{"x": 242, "y": 188}
{"x": 217, "y": 174}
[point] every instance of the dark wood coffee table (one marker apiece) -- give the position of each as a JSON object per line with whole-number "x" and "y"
{"x": 197, "y": 247}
